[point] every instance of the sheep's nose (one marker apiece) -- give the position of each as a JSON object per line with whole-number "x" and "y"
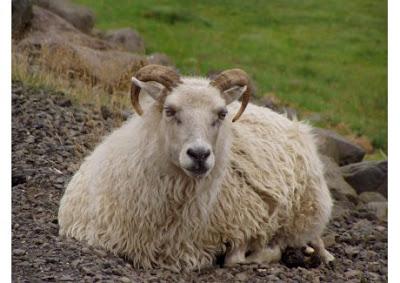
{"x": 198, "y": 154}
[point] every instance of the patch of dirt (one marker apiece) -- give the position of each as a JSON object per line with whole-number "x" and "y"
{"x": 51, "y": 136}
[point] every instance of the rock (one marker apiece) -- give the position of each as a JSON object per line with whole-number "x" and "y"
{"x": 341, "y": 209}
{"x": 105, "y": 112}
{"x": 374, "y": 277}
{"x": 60, "y": 48}
{"x": 159, "y": 59}
{"x": 125, "y": 279}
{"x": 48, "y": 27}
{"x": 352, "y": 273}
{"x": 288, "y": 112}
{"x": 341, "y": 150}
{"x": 19, "y": 252}
{"x": 18, "y": 178}
{"x": 367, "y": 197}
{"x": 271, "y": 101}
{"x": 21, "y": 17}
{"x": 314, "y": 117}
{"x": 367, "y": 176}
{"x": 65, "y": 102}
{"x": 79, "y": 16}
{"x": 379, "y": 208}
{"x": 68, "y": 278}
{"x": 329, "y": 240}
{"x": 338, "y": 187}
{"x": 98, "y": 33}
{"x": 127, "y": 39}
{"x": 364, "y": 142}
{"x": 350, "y": 250}
{"x": 242, "y": 276}
{"x": 87, "y": 270}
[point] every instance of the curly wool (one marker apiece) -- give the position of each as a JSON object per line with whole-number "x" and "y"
{"x": 269, "y": 187}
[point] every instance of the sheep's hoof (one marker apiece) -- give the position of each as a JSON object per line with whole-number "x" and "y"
{"x": 233, "y": 261}
{"x": 236, "y": 256}
{"x": 327, "y": 257}
{"x": 266, "y": 255}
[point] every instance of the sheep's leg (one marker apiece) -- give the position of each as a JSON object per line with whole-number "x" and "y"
{"x": 265, "y": 255}
{"x": 236, "y": 255}
{"x": 319, "y": 247}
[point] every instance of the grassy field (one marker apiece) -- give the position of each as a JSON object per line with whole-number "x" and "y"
{"x": 319, "y": 56}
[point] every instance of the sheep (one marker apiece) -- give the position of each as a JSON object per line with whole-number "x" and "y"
{"x": 185, "y": 181}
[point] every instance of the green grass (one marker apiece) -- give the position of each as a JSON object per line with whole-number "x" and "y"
{"x": 319, "y": 56}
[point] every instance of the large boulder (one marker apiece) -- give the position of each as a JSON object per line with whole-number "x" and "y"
{"x": 126, "y": 39}
{"x": 79, "y": 16}
{"x": 367, "y": 176}
{"x": 55, "y": 45}
{"x": 49, "y": 27}
{"x": 341, "y": 150}
{"x": 21, "y": 17}
{"x": 339, "y": 188}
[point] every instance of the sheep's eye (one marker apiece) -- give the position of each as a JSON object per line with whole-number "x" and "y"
{"x": 169, "y": 112}
{"x": 222, "y": 114}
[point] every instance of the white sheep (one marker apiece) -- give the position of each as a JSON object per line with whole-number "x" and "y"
{"x": 181, "y": 183}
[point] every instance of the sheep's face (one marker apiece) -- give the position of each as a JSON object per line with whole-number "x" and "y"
{"x": 191, "y": 121}
{"x": 193, "y": 125}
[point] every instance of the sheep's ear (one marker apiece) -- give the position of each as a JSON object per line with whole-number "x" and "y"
{"x": 154, "y": 89}
{"x": 233, "y": 93}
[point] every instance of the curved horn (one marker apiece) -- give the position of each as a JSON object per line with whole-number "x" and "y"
{"x": 157, "y": 73}
{"x": 234, "y": 77}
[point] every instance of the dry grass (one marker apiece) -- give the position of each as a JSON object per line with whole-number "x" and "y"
{"x": 50, "y": 70}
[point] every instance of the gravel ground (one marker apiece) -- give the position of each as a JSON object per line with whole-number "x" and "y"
{"x": 51, "y": 136}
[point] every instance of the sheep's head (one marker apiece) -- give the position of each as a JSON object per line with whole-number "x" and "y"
{"x": 193, "y": 110}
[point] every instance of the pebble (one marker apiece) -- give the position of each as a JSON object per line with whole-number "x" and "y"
{"x": 329, "y": 240}
{"x": 19, "y": 252}
{"x": 352, "y": 273}
{"x": 242, "y": 276}
{"x": 351, "y": 250}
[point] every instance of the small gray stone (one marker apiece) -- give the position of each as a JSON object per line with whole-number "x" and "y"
{"x": 242, "y": 276}
{"x": 352, "y": 273}
{"x": 19, "y": 252}
{"x": 379, "y": 208}
{"x": 329, "y": 240}
{"x": 367, "y": 197}
{"x": 351, "y": 250}
{"x": 374, "y": 277}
